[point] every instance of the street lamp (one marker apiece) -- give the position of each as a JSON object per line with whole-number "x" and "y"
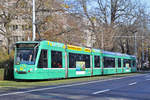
{"x": 33, "y": 21}
{"x": 102, "y": 40}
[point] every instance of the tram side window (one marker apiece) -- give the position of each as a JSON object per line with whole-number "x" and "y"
{"x": 56, "y": 59}
{"x": 130, "y": 62}
{"x": 43, "y": 60}
{"x": 126, "y": 61}
{"x": 97, "y": 61}
{"x": 87, "y": 61}
{"x": 109, "y": 62}
{"x": 119, "y": 62}
{"x": 73, "y": 58}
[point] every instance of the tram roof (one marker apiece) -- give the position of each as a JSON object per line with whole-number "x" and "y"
{"x": 27, "y": 42}
{"x": 117, "y": 53}
{"x": 87, "y": 49}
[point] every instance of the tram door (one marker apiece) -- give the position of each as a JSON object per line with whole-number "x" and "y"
{"x": 97, "y": 69}
{"x": 42, "y": 64}
{"x": 119, "y": 67}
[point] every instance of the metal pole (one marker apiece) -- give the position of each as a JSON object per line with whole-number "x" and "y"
{"x": 143, "y": 58}
{"x": 102, "y": 41}
{"x": 146, "y": 56}
{"x": 33, "y": 21}
{"x": 135, "y": 46}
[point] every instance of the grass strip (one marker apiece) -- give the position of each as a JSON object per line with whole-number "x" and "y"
{"x": 33, "y": 84}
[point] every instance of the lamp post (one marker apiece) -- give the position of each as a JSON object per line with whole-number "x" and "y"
{"x": 102, "y": 40}
{"x": 135, "y": 46}
{"x": 33, "y": 21}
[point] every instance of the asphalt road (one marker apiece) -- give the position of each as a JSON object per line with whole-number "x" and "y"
{"x": 127, "y": 88}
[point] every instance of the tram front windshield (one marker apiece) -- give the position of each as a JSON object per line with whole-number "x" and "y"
{"x": 26, "y": 54}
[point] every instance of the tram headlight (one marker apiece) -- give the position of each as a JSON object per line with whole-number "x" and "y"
{"x": 31, "y": 69}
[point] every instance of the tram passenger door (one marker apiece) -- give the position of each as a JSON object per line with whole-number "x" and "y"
{"x": 42, "y": 66}
{"x": 119, "y": 66}
{"x": 97, "y": 68}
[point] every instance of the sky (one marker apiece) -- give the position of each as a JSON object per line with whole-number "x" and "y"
{"x": 147, "y": 2}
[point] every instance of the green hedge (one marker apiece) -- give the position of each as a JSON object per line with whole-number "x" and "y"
{"x": 6, "y": 73}
{"x": 1, "y": 74}
{"x": 6, "y": 65}
{"x": 6, "y": 59}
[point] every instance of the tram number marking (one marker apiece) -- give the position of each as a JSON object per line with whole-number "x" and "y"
{"x": 21, "y": 68}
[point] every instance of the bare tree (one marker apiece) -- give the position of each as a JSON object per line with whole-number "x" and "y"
{"x": 7, "y": 13}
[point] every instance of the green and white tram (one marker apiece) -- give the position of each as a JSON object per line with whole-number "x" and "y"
{"x": 51, "y": 60}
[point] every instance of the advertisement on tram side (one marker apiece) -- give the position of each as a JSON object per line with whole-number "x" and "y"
{"x": 80, "y": 67}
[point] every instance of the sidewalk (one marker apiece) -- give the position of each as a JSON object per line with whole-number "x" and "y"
{"x": 143, "y": 71}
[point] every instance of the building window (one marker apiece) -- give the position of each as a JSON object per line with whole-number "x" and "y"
{"x": 15, "y": 17}
{"x": 15, "y": 38}
{"x": 15, "y": 27}
{"x": 73, "y": 58}
{"x": 109, "y": 62}
{"x": 119, "y": 62}
{"x": 26, "y": 27}
{"x": 97, "y": 61}
{"x": 23, "y": 27}
{"x": 56, "y": 59}
{"x": 43, "y": 60}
